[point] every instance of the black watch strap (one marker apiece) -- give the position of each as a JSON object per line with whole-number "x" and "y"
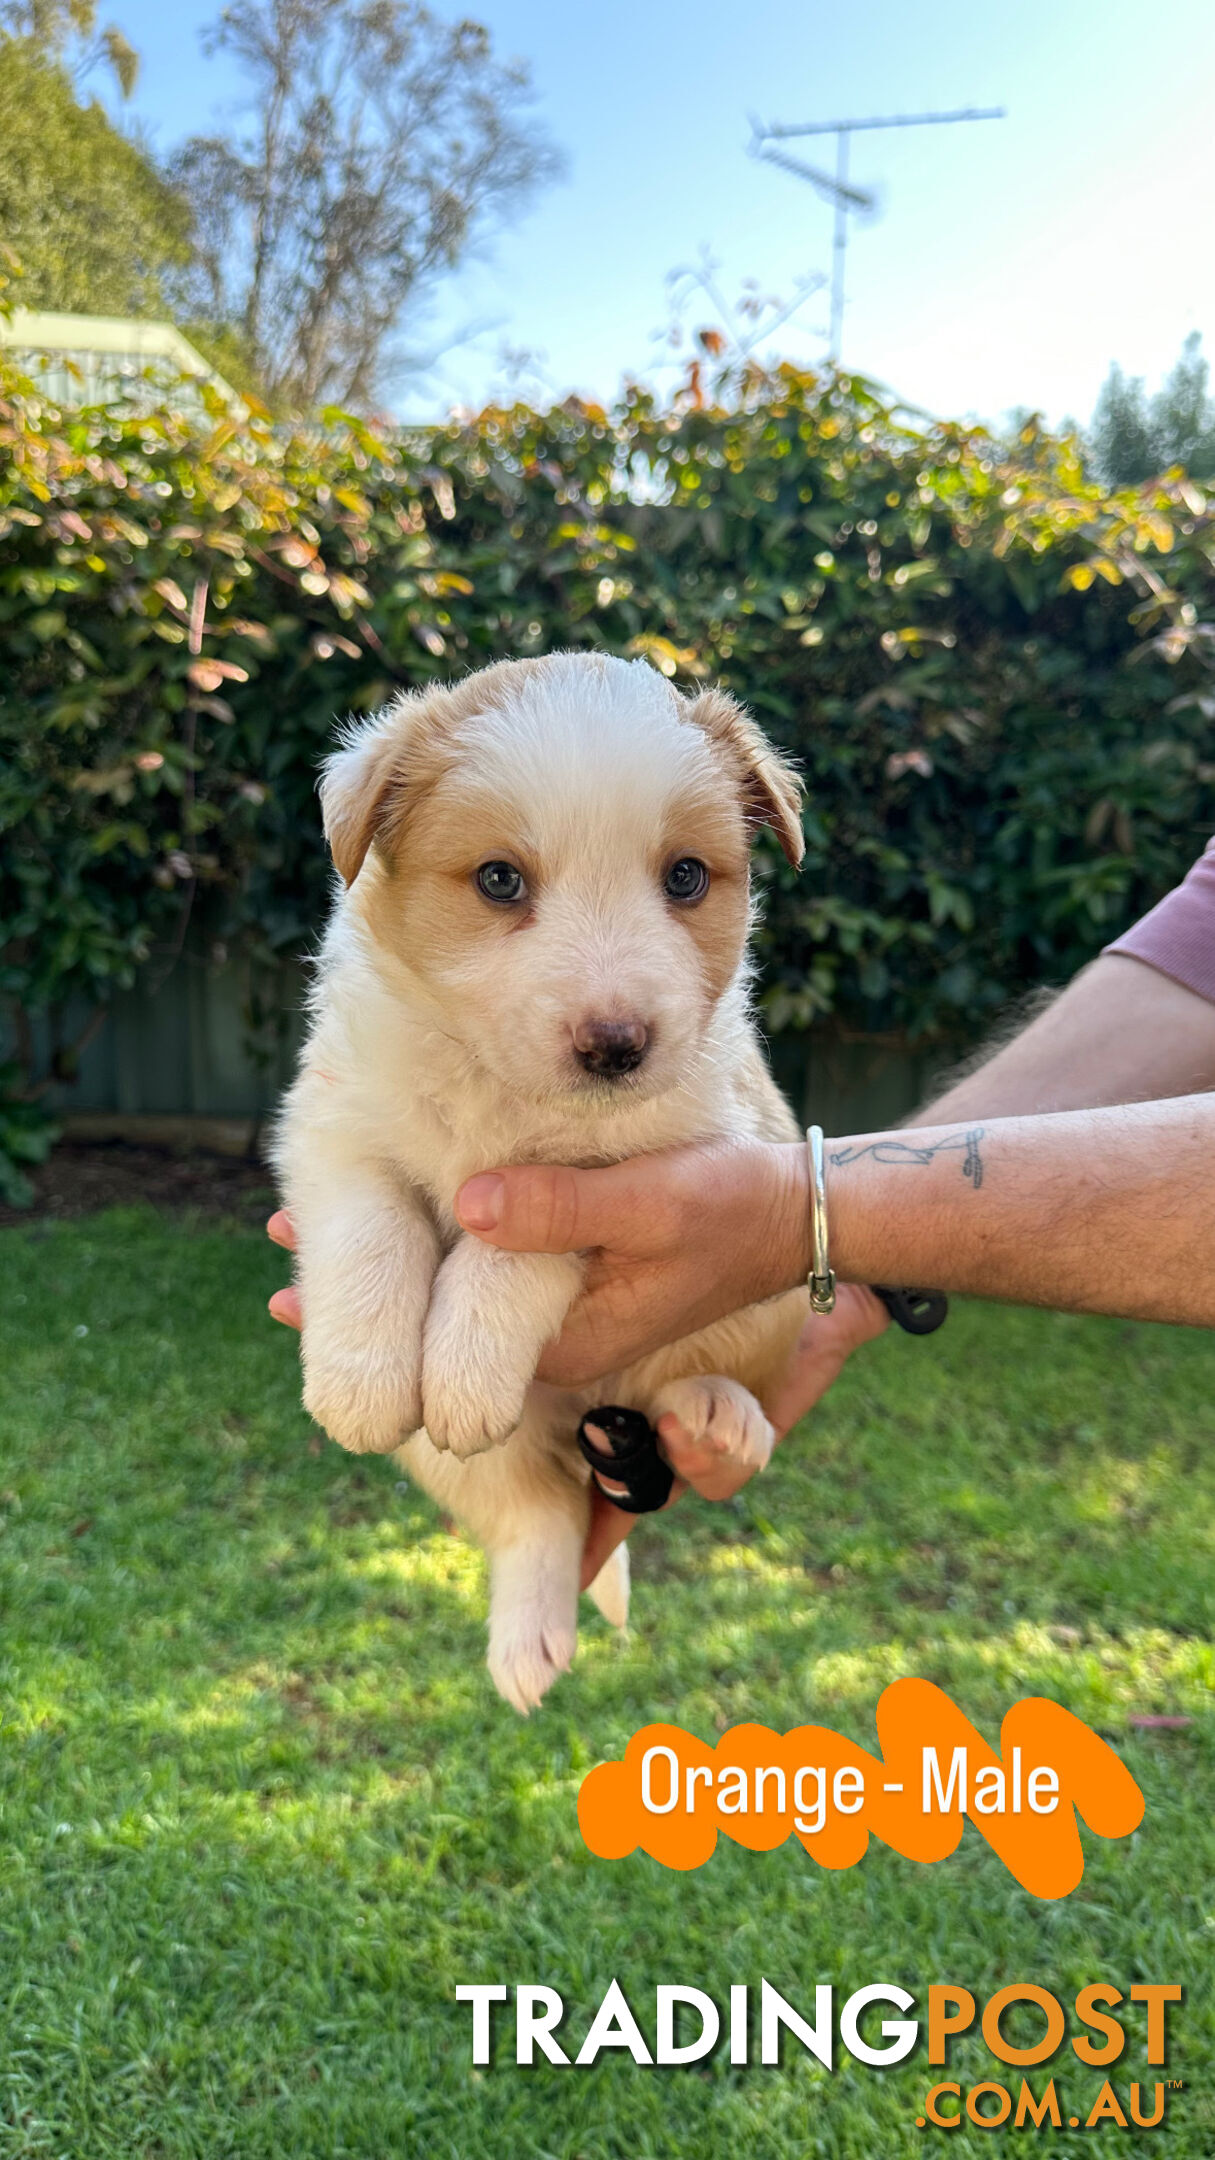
{"x": 623, "y": 1446}
{"x": 917, "y": 1312}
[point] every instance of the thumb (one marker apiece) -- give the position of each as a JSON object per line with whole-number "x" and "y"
{"x": 609, "y": 1527}
{"x": 549, "y": 1208}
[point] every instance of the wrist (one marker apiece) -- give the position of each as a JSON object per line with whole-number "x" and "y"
{"x": 848, "y": 1215}
{"x": 892, "y": 1202}
{"x": 787, "y": 1253}
{"x": 856, "y": 1212}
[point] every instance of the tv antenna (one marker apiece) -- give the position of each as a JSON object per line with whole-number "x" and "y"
{"x": 836, "y": 188}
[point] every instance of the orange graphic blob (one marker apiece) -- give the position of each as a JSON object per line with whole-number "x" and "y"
{"x": 672, "y": 1794}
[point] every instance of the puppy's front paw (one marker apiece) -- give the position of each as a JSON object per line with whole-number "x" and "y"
{"x": 721, "y": 1415}
{"x": 466, "y": 1408}
{"x": 471, "y": 1397}
{"x": 490, "y": 1315}
{"x": 369, "y": 1401}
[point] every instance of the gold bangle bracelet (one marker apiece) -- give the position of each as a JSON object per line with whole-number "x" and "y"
{"x": 821, "y": 1280}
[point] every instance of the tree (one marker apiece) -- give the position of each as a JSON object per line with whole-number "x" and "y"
{"x": 1183, "y": 414}
{"x": 93, "y": 225}
{"x": 55, "y": 26}
{"x": 1134, "y": 437}
{"x": 381, "y": 143}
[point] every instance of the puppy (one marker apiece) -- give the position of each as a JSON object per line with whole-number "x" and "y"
{"x": 538, "y": 954}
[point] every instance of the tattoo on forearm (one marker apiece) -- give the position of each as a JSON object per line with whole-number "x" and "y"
{"x": 900, "y": 1151}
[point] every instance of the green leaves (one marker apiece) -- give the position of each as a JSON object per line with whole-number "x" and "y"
{"x": 938, "y": 634}
{"x": 26, "y": 1137}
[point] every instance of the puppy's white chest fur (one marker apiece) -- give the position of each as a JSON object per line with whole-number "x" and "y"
{"x": 538, "y": 955}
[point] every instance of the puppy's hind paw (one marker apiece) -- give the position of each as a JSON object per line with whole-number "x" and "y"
{"x": 721, "y": 1415}
{"x": 526, "y": 1655}
{"x": 533, "y": 1614}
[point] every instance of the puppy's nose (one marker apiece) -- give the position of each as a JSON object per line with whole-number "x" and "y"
{"x": 610, "y": 1047}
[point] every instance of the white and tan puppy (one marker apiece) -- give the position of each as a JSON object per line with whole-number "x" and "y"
{"x": 538, "y": 954}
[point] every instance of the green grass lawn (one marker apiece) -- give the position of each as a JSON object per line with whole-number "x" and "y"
{"x": 262, "y": 1811}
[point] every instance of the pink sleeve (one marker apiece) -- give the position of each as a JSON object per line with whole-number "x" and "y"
{"x": 1178, "y": 937}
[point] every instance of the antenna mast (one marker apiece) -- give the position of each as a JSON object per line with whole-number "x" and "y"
{"x": 836, "y": 188}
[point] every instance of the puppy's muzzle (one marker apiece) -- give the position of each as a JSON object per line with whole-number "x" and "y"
{"x": 610, "y": 1048}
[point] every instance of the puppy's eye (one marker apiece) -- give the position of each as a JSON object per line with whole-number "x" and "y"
{"x": 501, "y": 881}
{"x": 686, "y": 879}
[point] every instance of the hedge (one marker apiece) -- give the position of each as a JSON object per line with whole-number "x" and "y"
{"x": 993, "y": 675}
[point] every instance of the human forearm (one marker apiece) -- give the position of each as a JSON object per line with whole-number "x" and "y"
{"x": 1089, "y": 1211}
{"x": 1121, "y": 1032}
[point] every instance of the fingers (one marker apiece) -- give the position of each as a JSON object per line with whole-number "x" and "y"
{"x": 609, "y": 1528}
{"x": 553, "y": 1209}
{"x": 709, "y": 1473}
{"x": 694, "y": 1466}
{"x": 823, "y": 1349}
{"x": 285, "y": 1304}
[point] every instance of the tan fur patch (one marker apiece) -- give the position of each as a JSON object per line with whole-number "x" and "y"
{"x": 412, "y": 752}
{"x": 422, "y": 904}
{"x": 432, "y": 825}
{"x": 712, "y": 827}
{"x": 771, "y": 787}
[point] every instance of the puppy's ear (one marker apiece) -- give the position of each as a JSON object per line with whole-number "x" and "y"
{"x": 357, "y": 784}
{"x": 771, "y": 786}
{"x": 386, "y": 764}
{"x": 383, "y": 766}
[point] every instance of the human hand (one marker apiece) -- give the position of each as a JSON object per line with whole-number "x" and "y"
{"x": 672, "y": 1241}
{"x": 822, "y": 1350}
{"x": 285, "y": 1304}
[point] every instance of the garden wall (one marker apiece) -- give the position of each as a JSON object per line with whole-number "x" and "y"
{"x": 180, "y": 1051}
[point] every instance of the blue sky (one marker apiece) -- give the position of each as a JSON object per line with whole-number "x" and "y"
{"x": 1010, "y": 263}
